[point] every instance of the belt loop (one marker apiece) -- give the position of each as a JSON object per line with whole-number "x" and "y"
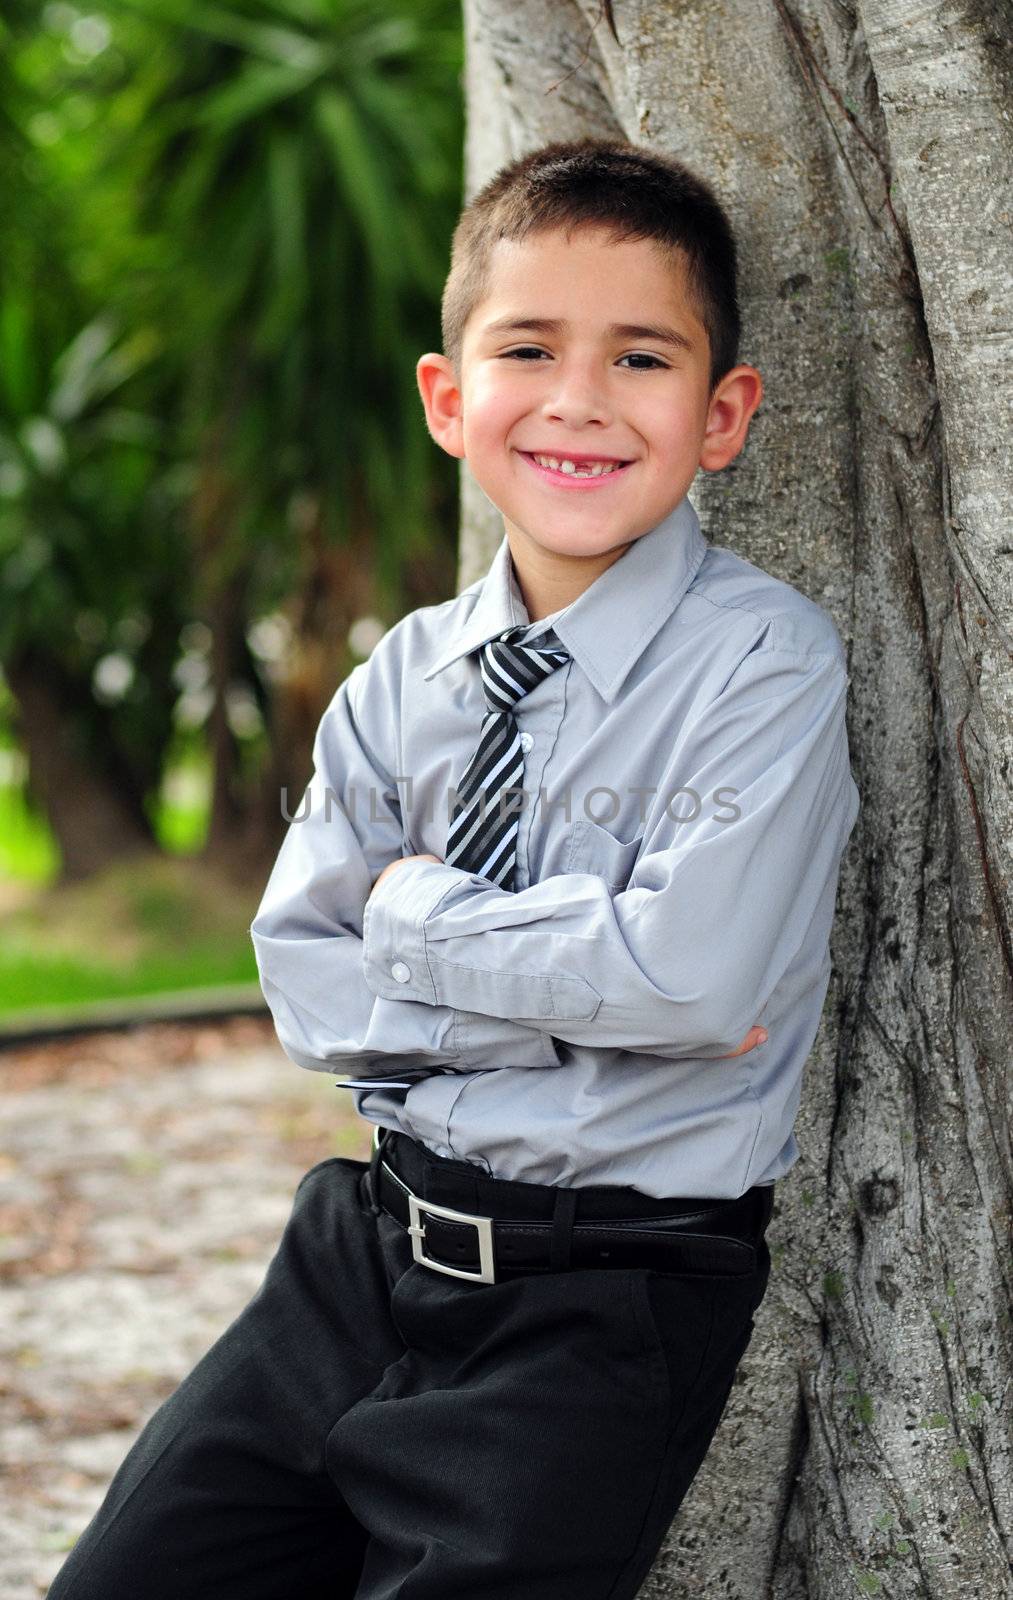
{"x": 381, "y": 1138}
{"x": 561, "y": 1243}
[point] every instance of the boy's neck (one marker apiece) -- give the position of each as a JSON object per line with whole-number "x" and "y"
{"x": 549, "y": 581}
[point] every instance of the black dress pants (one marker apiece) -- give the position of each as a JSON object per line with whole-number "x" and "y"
{"x": 370, "y": 1428}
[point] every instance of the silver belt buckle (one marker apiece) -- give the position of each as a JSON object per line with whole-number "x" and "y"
{"x": 483, "y": 1226}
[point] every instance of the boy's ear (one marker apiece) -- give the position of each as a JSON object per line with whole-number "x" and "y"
{"x": 441, "y": 397}
{"x": 731, "y": 407}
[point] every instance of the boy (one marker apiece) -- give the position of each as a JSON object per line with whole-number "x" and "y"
{"x": 569, "y": 836}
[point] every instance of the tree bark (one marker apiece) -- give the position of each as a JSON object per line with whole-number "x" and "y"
{"x": 335, "y": 586}
{"x": 78, "y": 780}
{"x": 865, "y": 154}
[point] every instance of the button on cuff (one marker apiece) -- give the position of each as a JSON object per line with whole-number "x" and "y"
{"x": 400, "y": 972}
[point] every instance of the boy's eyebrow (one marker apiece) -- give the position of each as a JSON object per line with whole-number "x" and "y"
{"x": 617, "y": 330}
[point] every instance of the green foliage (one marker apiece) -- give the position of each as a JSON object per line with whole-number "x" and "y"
{"x": 297, "y": 176}
{"x": 27, "y": 848}
{"x": 223, "y": 239}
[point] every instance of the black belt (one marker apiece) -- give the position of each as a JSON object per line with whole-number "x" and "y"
{"x": 708, "y": 1237}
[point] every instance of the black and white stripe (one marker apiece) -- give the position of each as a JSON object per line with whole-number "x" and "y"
{"x": 481, "y": 839}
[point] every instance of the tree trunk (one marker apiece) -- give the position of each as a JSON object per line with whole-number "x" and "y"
{"x": 335, "y": 586}
{"x": 865, "y": 153}
{"x": 79, "y": 782}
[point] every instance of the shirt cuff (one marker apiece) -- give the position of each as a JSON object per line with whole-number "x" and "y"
{"x": 394, "y": 960}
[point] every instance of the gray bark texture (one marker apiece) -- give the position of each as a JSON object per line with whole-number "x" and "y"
{"x": 865, "y": 153}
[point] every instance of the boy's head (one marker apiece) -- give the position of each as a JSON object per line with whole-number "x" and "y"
{"x": 629, "y": 191}
{"x": 590, "y": 312}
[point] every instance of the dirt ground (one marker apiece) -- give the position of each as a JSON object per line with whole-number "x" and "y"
{"x": 145, "y": 1178}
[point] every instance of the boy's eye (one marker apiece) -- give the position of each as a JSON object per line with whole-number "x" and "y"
{"x": 641, "y": 355}
{"x": 527, "y": 351}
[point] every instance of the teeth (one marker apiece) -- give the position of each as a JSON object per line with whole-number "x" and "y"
{"x": 593, "y": 469}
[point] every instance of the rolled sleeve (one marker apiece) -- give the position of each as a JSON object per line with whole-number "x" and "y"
{"x": 686, "y": 957}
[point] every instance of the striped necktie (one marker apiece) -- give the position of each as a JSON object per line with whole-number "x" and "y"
{"x": 482, "y": 838}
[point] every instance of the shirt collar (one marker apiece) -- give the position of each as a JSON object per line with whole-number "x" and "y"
{"x": 643, "y": 588}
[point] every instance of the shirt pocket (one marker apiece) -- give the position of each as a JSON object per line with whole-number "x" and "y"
{"x": 593, "y": 849}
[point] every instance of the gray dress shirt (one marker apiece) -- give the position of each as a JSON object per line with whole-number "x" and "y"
{"x": 687, "y": 799}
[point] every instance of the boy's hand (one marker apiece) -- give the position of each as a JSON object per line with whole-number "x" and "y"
{"x": 755, "y": 1036}
{"x": 400, "y": 863}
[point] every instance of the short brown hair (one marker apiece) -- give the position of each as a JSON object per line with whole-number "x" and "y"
{"x": 635, "y": 192}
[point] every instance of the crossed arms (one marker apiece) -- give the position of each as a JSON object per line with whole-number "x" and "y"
{"x": 681, "y": 963}
{"x": 755, "y": 1036}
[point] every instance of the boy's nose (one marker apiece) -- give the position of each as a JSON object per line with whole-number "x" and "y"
{"x": 577, "y": 398}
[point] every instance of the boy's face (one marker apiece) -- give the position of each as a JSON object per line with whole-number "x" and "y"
{"x": 596, "y": 379}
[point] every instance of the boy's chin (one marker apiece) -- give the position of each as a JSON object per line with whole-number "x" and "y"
{"x": 574, "y": 543}
{"x": 575, "y": 529}
{"x": 577, "y": 526}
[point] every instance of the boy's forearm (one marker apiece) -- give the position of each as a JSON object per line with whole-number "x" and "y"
{"x": 683, "y": 971}
{"x": 569, "y": 965}
{"x": 755, "y": 1036}
{"x": 328, "y": 1019}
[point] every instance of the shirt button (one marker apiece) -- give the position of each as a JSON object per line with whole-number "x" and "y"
{"x": 400, "y": 972}
{"x": 526, "y": 741}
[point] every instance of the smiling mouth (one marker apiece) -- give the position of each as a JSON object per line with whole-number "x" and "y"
{"x": 593, "y": 468}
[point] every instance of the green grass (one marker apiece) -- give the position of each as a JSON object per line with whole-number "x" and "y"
{"x": 142, "y": 927}
{"x": 32, "y": 981}
{"x": 145, "y": 926}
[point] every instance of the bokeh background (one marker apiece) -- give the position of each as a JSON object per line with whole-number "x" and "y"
{"x": 224, "y": 229}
